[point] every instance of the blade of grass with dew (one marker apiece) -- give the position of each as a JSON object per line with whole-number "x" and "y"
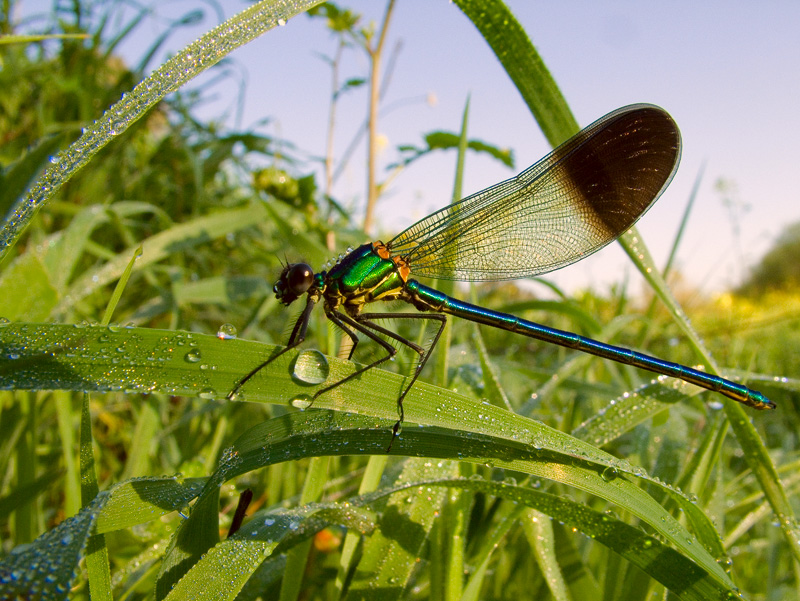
{"x": 297, "y": 556}
{"x": 391, "y": 554}
{"x": 538, "y": 529}
{"x": 226, "y": 568}
{"x": 369, "y": 482}
{"x": 501, "y": 30}
{"x": 46, "y": 568}
{"x": 44, "y": 356}
{"x": 755, "y": 452}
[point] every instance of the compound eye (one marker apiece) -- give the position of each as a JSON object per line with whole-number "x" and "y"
{"x": 300, "y": 278}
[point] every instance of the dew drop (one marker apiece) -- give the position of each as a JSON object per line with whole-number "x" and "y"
{"x": 193, "y": 356}
{"x": 226, "y": 331}
{"x": 302, "y": 402}
{"x": 311, "y": 367}
{"x": 609, "y": 474}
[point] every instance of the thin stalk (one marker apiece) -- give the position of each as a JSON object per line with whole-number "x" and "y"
{"x": 372, "y": 140}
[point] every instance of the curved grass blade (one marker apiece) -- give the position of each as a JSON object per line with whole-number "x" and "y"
{"x": 317, "y": 433}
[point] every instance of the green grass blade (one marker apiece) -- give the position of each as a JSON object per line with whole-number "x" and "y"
{"x": 370, "y": 481}
{"x": 390, "y": 555}
{"x": 539, "y": 531}
{"x": 97, "y": 565}
{"x": 46, "y": 568}
{"x": 119, "y": 288}
{"x": 297, "y": 557}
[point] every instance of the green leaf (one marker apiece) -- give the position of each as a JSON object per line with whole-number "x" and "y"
{"x": 443, "y": 140}
{"x": 27, "y": 291}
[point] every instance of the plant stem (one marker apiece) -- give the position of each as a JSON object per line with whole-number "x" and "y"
{"x": 374, "y": 93}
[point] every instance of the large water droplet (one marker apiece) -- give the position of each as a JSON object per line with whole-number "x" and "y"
{"x": 609, "y": 474}
{"x": 311, "y": 367}
{"x": 226, "y": 331}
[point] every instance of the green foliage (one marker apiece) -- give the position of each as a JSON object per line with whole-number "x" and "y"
{"x": 779, "y": 269}
{"x": 443, "y": 140}
{"x": 531, "y": 473}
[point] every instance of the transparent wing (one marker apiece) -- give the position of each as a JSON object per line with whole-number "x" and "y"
{"x": 573, "y": 202}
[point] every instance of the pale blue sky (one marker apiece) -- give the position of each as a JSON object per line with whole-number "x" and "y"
{"x": 728, "y": 72}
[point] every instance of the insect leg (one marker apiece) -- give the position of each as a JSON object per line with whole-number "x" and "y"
{"x": 365, "y": 319}
{"x": 296, "y": 339}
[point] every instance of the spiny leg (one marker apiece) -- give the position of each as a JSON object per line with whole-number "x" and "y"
{"x": 366, "y": 320}
{"x": 296, "y": 339}
{"x": 347, "y": 325}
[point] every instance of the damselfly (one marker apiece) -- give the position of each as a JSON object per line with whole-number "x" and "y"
{"x": 576, "y": 200}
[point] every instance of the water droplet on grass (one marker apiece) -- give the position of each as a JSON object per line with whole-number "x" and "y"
{"x": 302, "y": 402}
{"x": 311, "y": 367}
{"x": 226, "y": 331}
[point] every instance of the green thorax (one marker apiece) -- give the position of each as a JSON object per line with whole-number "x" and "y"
{"x": 362, "y": 277}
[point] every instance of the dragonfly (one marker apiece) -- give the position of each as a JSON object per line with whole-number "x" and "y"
{"x": 573, "y": 202}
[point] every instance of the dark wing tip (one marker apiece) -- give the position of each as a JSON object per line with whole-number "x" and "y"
{"x": 622, "y": 164}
